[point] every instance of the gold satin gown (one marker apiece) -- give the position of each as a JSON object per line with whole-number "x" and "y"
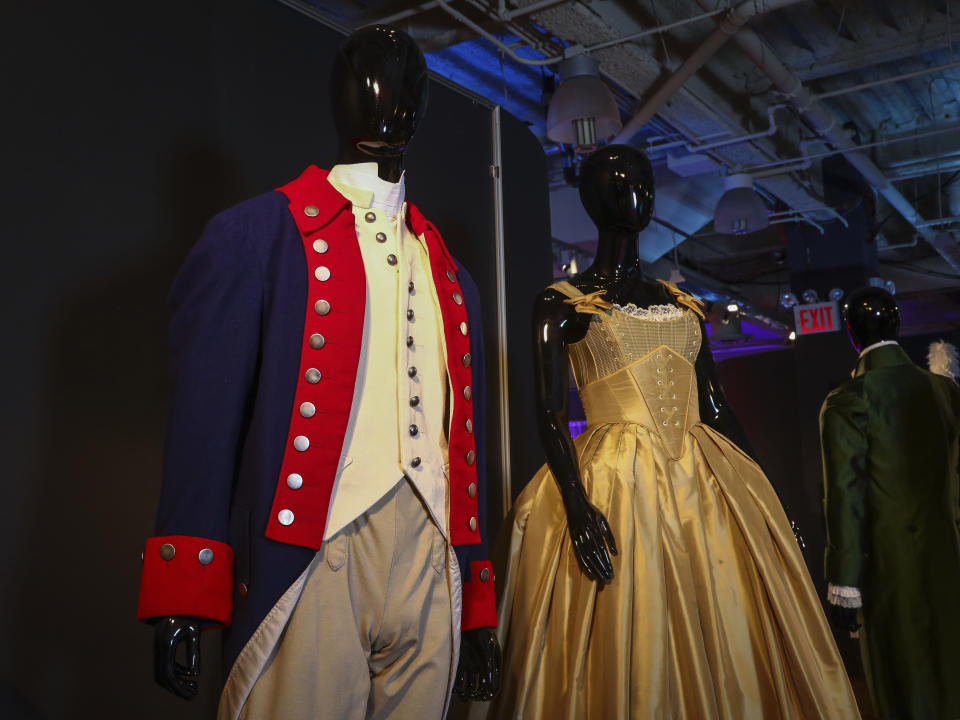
{"x": 711, "y": 613}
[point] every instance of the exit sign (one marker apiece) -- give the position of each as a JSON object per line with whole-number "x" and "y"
{"x": 816, "y": 318}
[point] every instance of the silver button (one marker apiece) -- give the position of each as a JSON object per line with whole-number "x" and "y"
{"x": 317, "y": 341}
{"x": 294, "y": 481}
{"x": 410, "y": 287}
{"x": 414, "y": 401}
{"x": 415, "y": 462}
{"x": 409, "y": 340}
{"x": 414, "y": 430}
{"x": 311, "y": 211}
{"x": 471, "y": 456}
{"x": 484, "y": 574}
{"x": 313, "y": 376}
{"x": 409, "y": 314}
{"x": 301, "y": 443}
{"x": 458, "y": 298}
{"x": 472, "y": 524}
{"x": 320, "y": 245}
{"x": 391, "y": 259}
{"x": 463, "y": 328}
{"x": 412, "y": 371}
{"x": 467, "y": 392}
{"x": 466, "y": 360}
{"x": 167, "y": 551}
{"x": 285, "y": 517}
{"x": 370, "y": 217}
{"x": 469, "y": 425}
{"x": 322, "y": 273}
{"x": 381, "y": 237}
{"x": 450, "y": 276}
{"x": 308, "y": 410}
{"x": 205, "y": 556}
{"x": 472, "y": 490}
{"x": 321, "y": 307}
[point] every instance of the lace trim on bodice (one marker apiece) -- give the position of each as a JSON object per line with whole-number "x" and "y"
{"x": 656, "y": 313}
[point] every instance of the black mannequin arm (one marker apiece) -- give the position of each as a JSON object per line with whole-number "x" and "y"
{"x": 714, "y": 409}
{"x": 168, "y": 673}
{"x": 478, "y": 672}
{"x": 555, "y": 325}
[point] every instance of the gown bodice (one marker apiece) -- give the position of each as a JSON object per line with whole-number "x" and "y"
{"x": 636, "y": 365}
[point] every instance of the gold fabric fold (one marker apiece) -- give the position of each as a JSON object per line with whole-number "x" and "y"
{"x": 685, "y": 299}
{"x": 590, "y": 304}
{"x": 711, "y": 614}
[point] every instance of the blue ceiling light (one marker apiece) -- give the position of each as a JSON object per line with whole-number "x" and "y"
{"x": 740, "y": 210}
{"x": 583, "y": 111}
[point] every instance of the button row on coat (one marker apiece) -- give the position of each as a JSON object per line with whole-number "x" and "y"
{"x": 168, "y": 552}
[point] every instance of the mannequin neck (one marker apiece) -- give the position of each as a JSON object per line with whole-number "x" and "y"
{"x": 616, "y": 255}
{"x": 389, "y": 167}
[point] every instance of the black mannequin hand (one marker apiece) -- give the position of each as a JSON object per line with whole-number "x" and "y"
{"x": 843, "y": 619}
{"x": 167, "y": 672}
{"x": 590, "y": 534}
{"x": 478, "y": 672}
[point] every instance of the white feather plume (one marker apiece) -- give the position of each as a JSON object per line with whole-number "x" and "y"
{"x": 942, "y": 359}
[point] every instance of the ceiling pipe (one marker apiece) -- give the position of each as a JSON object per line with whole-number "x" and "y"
{"x": 824, "y": 122}
{"x": 727, "y": 26}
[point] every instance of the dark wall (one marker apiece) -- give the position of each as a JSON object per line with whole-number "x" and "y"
{"x": 125, "y": 128}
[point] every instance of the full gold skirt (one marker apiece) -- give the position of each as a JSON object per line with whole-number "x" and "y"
{"x": 712, "y": 613}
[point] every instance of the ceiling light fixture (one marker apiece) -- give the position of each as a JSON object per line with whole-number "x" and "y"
{"x": 740, "y": 210}
{"x": 788, "y": 300}
{"x": 582, "y": 111}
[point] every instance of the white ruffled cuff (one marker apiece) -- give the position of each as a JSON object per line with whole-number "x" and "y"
{"x": 844, "y": 596}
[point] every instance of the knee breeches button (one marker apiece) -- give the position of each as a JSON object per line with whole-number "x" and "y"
{"x": 285, "y": 517}
{"x": 301, "y": 442}
{"x": 167, "y": 551}
{"x": 484, "y": 574}
{"x": 205, "y": 556}
{"x": 294, "y": 481}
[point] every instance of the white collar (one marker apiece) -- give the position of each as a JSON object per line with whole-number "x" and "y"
{"x": 362, "y": 186}
{"x": 868, "y": 348}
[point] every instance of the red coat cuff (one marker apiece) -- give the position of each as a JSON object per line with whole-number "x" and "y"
{"x": 479, "y": 604}
{"x": 185, "y": 575}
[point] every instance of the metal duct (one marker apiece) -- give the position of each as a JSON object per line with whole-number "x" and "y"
{"x": 823, "y": 121}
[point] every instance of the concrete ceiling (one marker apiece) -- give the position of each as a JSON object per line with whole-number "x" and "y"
{"x": 830, "y": 45}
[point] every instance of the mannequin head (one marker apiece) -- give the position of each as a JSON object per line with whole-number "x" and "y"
{"x": 616, "y": 188}
{"x": 871, "y": 315}
{"x": 378, "y": 91}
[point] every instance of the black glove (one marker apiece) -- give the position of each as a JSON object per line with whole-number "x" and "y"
{"x": 478, "y": 672}
{"x": 168, "y": 673}
{"x": 844, "y": 619}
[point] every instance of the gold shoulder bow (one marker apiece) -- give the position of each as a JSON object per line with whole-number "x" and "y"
{"x": 590, "y": 304}
{"x": 682, "y": 298}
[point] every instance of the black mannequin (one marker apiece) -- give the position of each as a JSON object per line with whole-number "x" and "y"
{"x": 871, "y": 316}
{"x": 616, "y": 188}
{"x": 379, "y": 87}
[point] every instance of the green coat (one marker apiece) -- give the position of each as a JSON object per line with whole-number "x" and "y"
{"x": 891, "y": 438}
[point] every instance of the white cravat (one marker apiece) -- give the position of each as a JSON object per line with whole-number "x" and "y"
{"x": 396, "y": 420}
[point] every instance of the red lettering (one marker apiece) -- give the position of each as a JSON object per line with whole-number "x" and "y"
{"x": 805, "y": 317}
{"x": 829, "y": 311}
